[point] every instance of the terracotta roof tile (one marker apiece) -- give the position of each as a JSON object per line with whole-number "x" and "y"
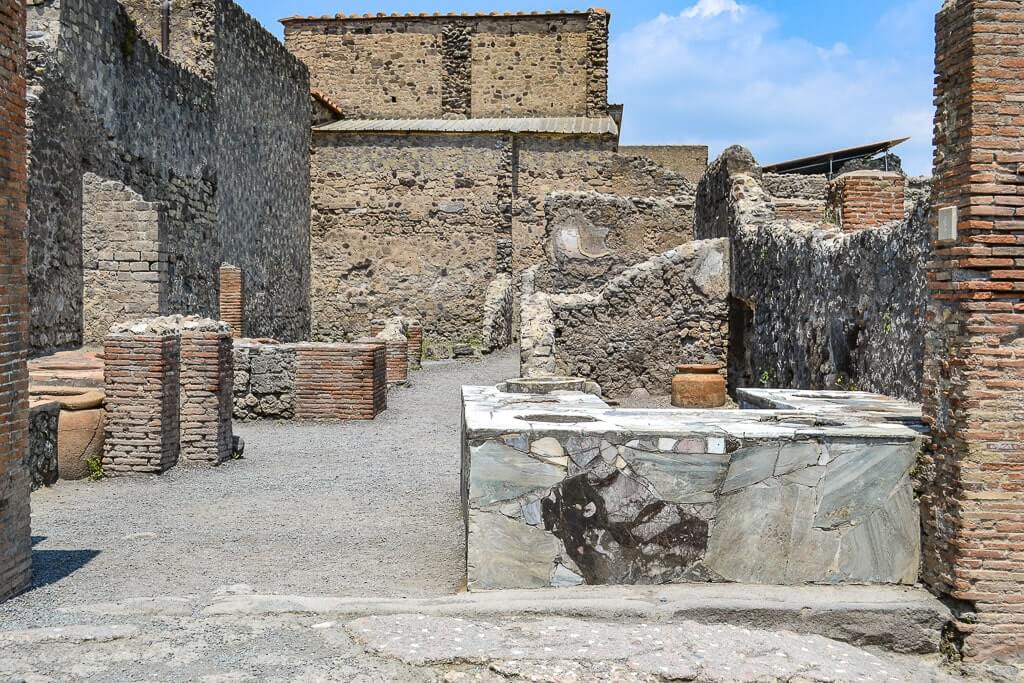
{"x": 327, "y": 101}
{"x": 341, "y": 16}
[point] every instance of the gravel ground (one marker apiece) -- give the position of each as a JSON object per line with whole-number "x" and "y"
{"x": 359, "y": 508}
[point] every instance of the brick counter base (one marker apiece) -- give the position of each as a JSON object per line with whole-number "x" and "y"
{"x": 340, "y": 381}
{"x": 141, "y": 377}
{"x": 207, "y": 384}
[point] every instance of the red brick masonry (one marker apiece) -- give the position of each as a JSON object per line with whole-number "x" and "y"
{"x": 142, "y": 387}
{"x": 340, "y": 381}
{"x": 232, "y": 298}
{"x": 867, "y": 199}
{"x": 973, "y": 497}
{"x": 15, "y": 534}
{"x": 207, "y": 384}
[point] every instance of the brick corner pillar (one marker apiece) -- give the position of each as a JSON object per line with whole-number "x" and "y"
{"x": 340, "y": 381}
{"x": 397, "y": 359}
{"x": 207, "y": 403}
{"x": 414, "y": 332}
{"x": 867, "y": 199}
{"x": 972, "y": 493}
{"x": 15, "y": 531}
{"x": 141, "y": 378}
{"x": 232, "y": 298}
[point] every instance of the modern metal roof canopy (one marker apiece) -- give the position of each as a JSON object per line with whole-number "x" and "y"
{"x": 827, "y": 162}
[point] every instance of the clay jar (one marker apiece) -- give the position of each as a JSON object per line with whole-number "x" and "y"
{"x": 80, "y": 431}
{"x": 698, "y": 386}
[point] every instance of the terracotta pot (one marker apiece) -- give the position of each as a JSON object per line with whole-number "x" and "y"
{"x": 80, "y": 431}
{"x": 698, "y": 386}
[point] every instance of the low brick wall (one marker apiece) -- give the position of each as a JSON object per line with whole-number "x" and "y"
{"x": 340, "y": 381}
{"x": 867, "y": 199}
{"x": 143, "y": 389}
{"x": 807, "y": 210}
{"x": 232, "y": 298}
{"x": 207, "y": 379}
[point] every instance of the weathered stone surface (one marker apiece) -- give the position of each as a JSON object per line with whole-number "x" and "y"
{"x": 861, "y": 480}
{"x": 510, "y": 554}
{"x": 41, "y": 457}
{"x": 681, "y": 477}
{"x": 751, "y": 466}
{"x": 499, "y": 473}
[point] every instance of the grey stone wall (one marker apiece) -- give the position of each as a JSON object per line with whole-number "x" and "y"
{"x": 224, "y": 162}
{"x": 41, "y": 457}
{"x": 795, "y": 186}
{"x": 262, "y": 155}
{"x": 812, "y": 308}
{"x": 633, "y": 332}
{"x": 591, "y": 237}
{"x": 264, "y": 382}
{"x": 103, "y": 101}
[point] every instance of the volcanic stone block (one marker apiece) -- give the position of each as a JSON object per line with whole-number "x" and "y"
{"x": 41, "y": 456}
{"x": 207, "y": 378}
{"x": 143, "y": 390}
{"x": 340, "y": 381}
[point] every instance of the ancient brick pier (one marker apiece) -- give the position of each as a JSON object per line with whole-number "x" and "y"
{"x": 973, "y": 502}
{"x": 15, "y": 537}
{"x": 340, "y": 381}
{"x": 206, "y": 394}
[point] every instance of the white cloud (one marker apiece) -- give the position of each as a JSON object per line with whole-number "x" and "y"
{"x": 713, "y": 8}
{"x": 722, "y": 73}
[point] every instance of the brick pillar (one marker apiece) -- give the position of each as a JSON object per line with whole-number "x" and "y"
{"x": 973, "y": 480}
{"x": 340, "y": 381}
{"x": 207, "y": 385}
{"x": 15, "y": 534}
{"x": 867, "y": 199}
{"x": 415, "y": 334}
{"x": 397, "y": 356}
{"x": 232, "y": 298}
{"x": 142, "y": 386}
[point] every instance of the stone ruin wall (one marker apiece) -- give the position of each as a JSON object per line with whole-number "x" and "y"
{"x": 107, "y": 104}
{"x": 590, "y": 237}
{"x": 15, "y": 535}
{"x": 689, "y": 161}
{"x": 473, "y": 66}
{"x": 812, "y": 308}
{"x": 397, "y": 232}
{"x": 632, "y": 332}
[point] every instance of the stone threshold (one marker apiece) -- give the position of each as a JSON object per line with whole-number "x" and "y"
{"x": 901, "y": 620}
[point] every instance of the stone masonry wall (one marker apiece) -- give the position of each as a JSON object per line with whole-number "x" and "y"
{"x": 592, "y": 237}
{"x": 262, "y": 154}
{"x": 631, "y": 333}
{"x": 421, "y": 66}
{"x": 105, "y": 102}
{"x": 690, "y": 161}
{"x": 264, "y": 381}
{"x": 812, "y": 308}
{"x": 406, "y": 225}
{"x": 973, "y": 515}
{"x": 124, "y": 257}
{"x": 15, "y": 534}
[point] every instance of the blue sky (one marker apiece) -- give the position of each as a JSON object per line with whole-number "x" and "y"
{"x": 783, "y": 77}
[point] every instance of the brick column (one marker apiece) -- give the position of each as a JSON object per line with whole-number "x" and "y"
{"x": 397, "y": 362}
{"x": 867, "y": 199}
{"x": 340, "y": 381}
{"x": 15, "y": 534}
{"x": 142, "y": 387}
{"x": 414, "y": 331}
{"x": 207, "y": 380}
{"x": 232, "y": 298}
{"x": 973, "y": 480}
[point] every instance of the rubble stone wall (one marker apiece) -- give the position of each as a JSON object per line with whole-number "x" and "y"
{"x": 481, "y": 66}
{"x": 690, "y": 161}
{"x": 105, "y": 102}
{"x": 264, "y": 381}
{"x": 813, "y": 308}
{"x": 41, "y": 454}
{"x": 406, "y": 225}
{"x": 591, "y": 237}
{"x": 219, "y": 149}
{"x": 15, "y": 534}
{"x": 633, "y": 332}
